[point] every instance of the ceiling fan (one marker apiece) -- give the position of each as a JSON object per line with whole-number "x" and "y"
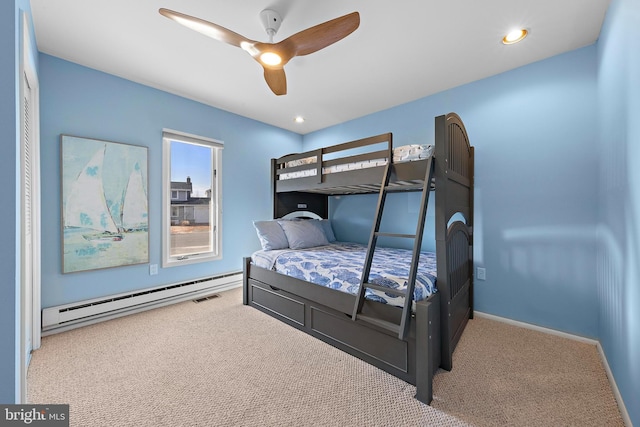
{"x": 274, "y": 56}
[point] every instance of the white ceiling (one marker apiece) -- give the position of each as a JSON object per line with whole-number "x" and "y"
{"x": 399, "y": 53}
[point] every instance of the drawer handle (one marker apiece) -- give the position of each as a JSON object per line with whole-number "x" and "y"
{"x": 274, "y": 288}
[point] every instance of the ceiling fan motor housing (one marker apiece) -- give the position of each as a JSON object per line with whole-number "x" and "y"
{"x": 271, "y": 21}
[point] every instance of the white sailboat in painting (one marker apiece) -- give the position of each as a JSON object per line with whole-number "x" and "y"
{"x": 87, "y": 206}
{"x": 134, "y": 215}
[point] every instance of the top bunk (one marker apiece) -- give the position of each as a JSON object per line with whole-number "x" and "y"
{"x": 358, "y": 167}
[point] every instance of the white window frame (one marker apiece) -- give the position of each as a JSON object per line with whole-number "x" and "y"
{"x": 169, "y": 135}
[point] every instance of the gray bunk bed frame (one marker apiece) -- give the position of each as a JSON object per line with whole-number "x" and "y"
{"x": 436, "y": 324}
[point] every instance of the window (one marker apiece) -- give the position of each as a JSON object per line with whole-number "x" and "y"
{"x": 192, "y": 208}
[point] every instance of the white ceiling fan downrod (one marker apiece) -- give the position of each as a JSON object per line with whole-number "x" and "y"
{"x": 271, "y": 21}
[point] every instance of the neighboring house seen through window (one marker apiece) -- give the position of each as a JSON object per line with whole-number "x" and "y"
{"x": 191, "y": 199}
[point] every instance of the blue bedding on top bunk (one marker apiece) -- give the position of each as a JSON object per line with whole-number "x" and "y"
{"x": 339, "y": 266}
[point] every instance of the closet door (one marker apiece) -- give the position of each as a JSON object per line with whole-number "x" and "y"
{"x": 27, "y": 214}
{"x": 29, "y": 210}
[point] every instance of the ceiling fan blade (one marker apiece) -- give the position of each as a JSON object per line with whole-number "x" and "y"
{"x": 207, "y": 28}
{"x": 277, "y": 80}
{"x": 320, "y": 36}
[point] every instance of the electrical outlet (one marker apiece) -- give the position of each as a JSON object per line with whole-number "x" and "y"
{"x": 482, "y": 274}
{"x": 153, "y": 269}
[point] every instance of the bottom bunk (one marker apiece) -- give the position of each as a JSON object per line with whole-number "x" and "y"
{"x": 325, "y": 313}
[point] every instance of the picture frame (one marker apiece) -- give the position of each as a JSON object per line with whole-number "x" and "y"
{"x": 104, "y": 204}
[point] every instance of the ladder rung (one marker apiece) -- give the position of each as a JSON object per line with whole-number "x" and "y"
{"x": 380, "y": 288}
{"x": 407, "y": 236}
{"x": 389, "y": 326}
{"x": 404, "y": 187}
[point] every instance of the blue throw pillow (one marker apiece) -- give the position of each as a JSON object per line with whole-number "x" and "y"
{"x": 271, "y": 235}
{"x": 328, "y": 230}
{"x": 304, "y": 234}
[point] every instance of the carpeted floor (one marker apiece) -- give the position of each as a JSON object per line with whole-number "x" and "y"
{"x": 526, "y": 378}
{"x": 219, "y": 363}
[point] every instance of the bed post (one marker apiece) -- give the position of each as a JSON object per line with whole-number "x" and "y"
{"x": 246, "y": 261}
{"x": 454, "y": 194}
{"x": 274, "y": 194}
{"x": 472, "y": 225}
{"x": 441, "y": 154}
{"x": 427, "y": 346}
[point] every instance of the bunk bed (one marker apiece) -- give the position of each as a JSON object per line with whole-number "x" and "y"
{"x": 409, "y": 340}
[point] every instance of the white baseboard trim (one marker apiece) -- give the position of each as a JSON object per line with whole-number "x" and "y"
{"x": 536, "y": 328}
{"x": 60, "y": 319}
{"x": 603, "y": 357}
{"x": 614, "y": 388}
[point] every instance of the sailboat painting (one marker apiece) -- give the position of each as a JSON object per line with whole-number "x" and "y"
{"x": 105, "y": 215}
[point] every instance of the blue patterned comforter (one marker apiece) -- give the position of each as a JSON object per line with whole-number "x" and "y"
{"x": 339, "y": 266}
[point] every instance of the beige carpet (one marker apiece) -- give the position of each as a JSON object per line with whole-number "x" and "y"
{"x": 219, "y": 363}
{"x": 509, "y": 376}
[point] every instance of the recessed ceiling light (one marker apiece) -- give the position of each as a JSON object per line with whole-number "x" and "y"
{"x": 299, "y": 119}
{"x": 515, "y": 36}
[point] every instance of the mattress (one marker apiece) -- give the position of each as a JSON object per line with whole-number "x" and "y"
{"x": 405, "y": 153}
{"x": 339, "y": 266}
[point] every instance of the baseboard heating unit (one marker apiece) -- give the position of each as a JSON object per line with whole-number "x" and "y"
{"x": 69, "y": 316}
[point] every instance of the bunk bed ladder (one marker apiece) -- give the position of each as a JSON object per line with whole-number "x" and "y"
{"x": 401, "y": 329}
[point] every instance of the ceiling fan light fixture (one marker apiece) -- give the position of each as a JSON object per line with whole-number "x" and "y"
{"x": 515, "y": 36}
{"x": 270, "y": 58}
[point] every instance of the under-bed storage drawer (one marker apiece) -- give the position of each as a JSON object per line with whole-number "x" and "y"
{"x": 277, "y": 303}
{"x": 380, "y": 348}
{"x": 369, "y": 342}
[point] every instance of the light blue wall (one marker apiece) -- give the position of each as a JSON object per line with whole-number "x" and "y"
{"x": 9, "y": 285}
{"x": 535, "y": 133}
{"x": 80, "y": 101}
{"x": 11, "y": 27}
{"x": 544, "y": 134}
{"x": 619, "y": 196}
